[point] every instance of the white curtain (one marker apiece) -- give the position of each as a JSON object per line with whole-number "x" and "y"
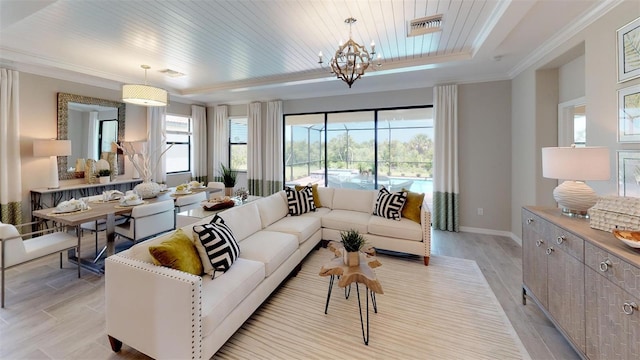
{"x": 157, "y": 142}
{"x": 199, "y": 120}
{"x": 220, "y": 138}
{"x": 273, "y": 156}
{"x": 254, "y": 149}
{"x": 445, "y": 183}
{"x": 10, "y": 173}
{"x": 92, "y": 129}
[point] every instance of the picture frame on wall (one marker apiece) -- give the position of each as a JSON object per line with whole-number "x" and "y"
{"x": 629, "y": 173}
{"x": 629, "y": 114}
{"x": 628, "y": 45}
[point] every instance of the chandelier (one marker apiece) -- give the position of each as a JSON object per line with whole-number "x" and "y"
{"x": 144, "y": 95}
{"x": 351, "y": 59}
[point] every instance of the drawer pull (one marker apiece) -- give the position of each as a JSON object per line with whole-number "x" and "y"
{"x": 539, "y": 243}
{"x": 549, "y": 251}
{"x": 604, "y": 266}
{"x": 529, "y": 220}
{"x": 629, "y": 307}
{"x": 560, "y": 239}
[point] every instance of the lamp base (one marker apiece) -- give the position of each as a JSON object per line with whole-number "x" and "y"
{"x": 574, "y": 213}
{"x": 575, "y": 198}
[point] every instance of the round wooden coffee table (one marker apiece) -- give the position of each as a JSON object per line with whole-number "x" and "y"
{"x": 347, "y": 275}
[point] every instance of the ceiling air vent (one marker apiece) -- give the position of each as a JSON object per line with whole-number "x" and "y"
{"x": 425, "y": 25}
{"x": 172, "y": 73}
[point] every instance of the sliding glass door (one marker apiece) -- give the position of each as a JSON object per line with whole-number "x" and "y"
{"x": 361, "y": 149}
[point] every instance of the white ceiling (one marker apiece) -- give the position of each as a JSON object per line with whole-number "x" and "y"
{"x": 240, "y": 51}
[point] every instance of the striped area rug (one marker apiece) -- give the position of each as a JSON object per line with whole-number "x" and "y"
{"x": 444, "y": 311}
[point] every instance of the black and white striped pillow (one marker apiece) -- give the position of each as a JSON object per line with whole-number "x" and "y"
{"x": 389, "y": 205}
{"x": 300, "y": 202}
{"x": 219, "y": 243}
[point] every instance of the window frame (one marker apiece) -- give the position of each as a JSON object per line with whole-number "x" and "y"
{"x": 232, "y": 143}
{"x": 189, "y": 134}
{"x": 326, "y": 115}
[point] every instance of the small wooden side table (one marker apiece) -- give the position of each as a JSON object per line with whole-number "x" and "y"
{"x": 347, "y": 275}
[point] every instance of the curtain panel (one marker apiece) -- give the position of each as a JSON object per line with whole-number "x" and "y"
{"x": 254, "y": 149}
{"x": 10, "y": 168}
{"x": 274, "y": 157}
{"x": 199, "y": 166}
{"x": 219, "y": 155}
{"x": 157, "y": 142}
{"x": 446, "y": 211}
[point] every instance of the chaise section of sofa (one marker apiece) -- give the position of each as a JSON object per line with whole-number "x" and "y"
{"x": 353, "y": 209}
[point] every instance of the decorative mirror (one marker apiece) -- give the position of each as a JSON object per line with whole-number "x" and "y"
{"x": 91, "y": 124}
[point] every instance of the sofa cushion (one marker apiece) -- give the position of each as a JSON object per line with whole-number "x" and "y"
{"x": 269, "y": 247}
{"x": 413, "y": 205}
{"x": 177, "y": 252}
{"x": 222, "y": 294}
{"x": 300, "y": 202}
{"x": 272, "y": 208}
{"x": 356, "y": 200}
{"x": 319, "y": 213}
{"x": 325, "y": 195}
{"x": 300, "y": 226}
{"x": 389, "y": 205}
{"x": 314, "y": 192}
{"x": 346, "y": 220}
{"x": 403, "y": 229}
{"x": 217, "y": 244}
{"x": 242, "y": 220}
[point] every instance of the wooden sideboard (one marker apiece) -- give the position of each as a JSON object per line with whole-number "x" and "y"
{"x": 585, "y": 280}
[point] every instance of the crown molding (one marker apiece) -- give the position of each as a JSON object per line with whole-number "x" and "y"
{"x": 572, "y": 29}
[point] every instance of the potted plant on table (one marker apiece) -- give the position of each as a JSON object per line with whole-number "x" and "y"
{"x": 228, "y": 178}
{"x": 353, "y": 242}
{"x": 104, "y": 176}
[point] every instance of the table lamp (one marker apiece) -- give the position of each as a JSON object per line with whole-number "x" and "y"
{"x": 575, "y": 165}
{"x": 52, "y": 148}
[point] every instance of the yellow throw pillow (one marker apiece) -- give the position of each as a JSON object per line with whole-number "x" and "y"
{"x": 314, "y": 191}
{"x": 412, "y": 206}
{"x": 177, "y": 252}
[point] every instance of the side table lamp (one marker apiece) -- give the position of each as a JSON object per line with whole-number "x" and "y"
{"x": 52, "y": 148}
{"x": 575, "y": 165}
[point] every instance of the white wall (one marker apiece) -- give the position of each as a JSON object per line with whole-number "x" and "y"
{"x": 533, "y": 98}
{"x": 571, "y": 80}
{"x": 484, "y": 132}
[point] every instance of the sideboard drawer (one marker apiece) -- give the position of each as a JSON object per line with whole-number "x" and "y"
{"x": 618, "y": 271}
{"x": 567, "y": 242}
{"x": 535, "y": 223}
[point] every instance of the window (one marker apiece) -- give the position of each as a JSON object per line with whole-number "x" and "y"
{"x": 238, "y": 143}
{"x": 361, "y": 149}
{"x": 107, "y": 134}
{"x": 178, "y": 157}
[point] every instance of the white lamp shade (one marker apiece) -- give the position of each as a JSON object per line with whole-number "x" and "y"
{"x": 51, "y": 147}
{"x": 144, "y": 95}
{"x": 576, "y": 163}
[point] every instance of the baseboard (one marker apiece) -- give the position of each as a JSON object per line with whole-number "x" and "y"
{"x": 508, "y": 234}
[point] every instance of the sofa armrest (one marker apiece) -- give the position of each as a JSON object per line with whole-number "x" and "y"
{"x": 154, "y": 309}
{"x": 425, "y": 223}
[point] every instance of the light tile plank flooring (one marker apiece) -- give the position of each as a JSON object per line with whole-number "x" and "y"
{"x": 41, "y": 297}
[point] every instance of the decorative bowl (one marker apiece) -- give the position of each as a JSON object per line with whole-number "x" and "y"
{"x": 629, "y": 237}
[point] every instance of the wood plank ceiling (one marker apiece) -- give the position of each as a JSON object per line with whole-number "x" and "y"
{"x": 226, "y": 46}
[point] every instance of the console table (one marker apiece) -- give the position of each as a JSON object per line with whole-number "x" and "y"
{"x": 585, "y": 280}
{"x": 43, "y": 198}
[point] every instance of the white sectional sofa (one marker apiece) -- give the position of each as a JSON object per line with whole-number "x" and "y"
{"x": 171, "y": 314}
